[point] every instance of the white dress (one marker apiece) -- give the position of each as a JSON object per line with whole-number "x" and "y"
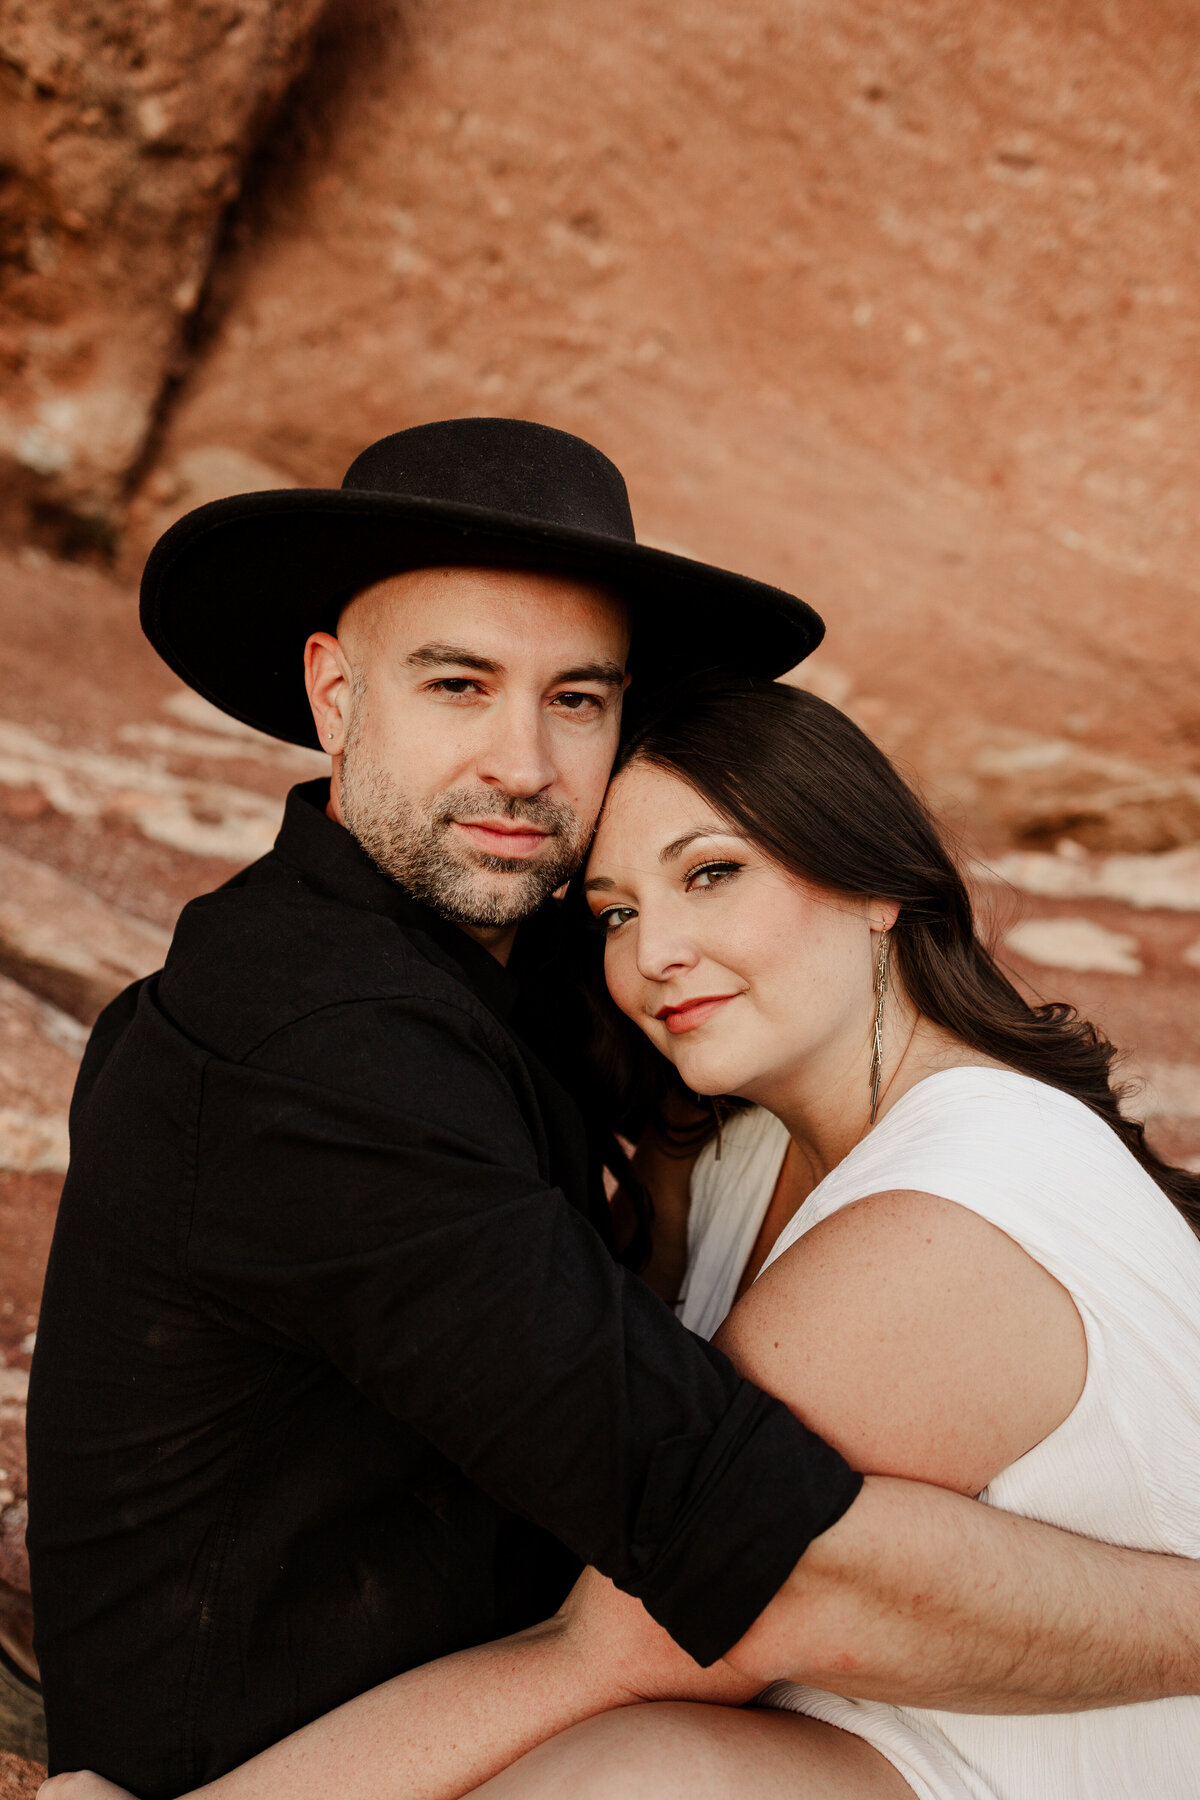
{"x": 1123, "y": 1466}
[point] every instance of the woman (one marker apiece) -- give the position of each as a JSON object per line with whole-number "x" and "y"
{"x": 933, "y": 1233}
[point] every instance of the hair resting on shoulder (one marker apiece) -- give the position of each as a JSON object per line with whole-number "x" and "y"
{"x": 802, "y": 782}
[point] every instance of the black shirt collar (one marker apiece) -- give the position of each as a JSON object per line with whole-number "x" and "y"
{"x": 331, "y": 859}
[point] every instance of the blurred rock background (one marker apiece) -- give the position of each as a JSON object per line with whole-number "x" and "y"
{"x": 898, "y": 307}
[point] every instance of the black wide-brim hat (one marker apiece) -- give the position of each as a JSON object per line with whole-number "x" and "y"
{"x": 233, "y": 590}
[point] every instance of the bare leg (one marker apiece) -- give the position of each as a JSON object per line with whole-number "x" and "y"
{"x": 678, "y": 1750}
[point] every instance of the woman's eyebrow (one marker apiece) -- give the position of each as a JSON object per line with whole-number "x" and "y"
{"x": 597, "y": 882}
{"x": 678, "y": 845}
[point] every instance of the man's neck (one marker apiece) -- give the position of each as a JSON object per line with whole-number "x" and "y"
{"x": 497, "y": 940}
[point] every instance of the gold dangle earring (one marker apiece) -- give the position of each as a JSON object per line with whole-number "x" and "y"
{"x": 881, "y": 985}
{"x": 719, "y": 1116}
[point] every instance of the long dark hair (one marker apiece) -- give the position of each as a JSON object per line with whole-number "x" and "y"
{"x": 803, "y": 783}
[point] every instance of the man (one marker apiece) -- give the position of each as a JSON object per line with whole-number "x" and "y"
{"x": 336, "y": 1371}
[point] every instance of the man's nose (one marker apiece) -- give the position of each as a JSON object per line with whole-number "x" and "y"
{"x": 516, "y": 756}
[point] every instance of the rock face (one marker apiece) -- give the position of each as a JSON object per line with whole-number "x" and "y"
{"x": 19, "y": 1778}
{"x": 895, "y": 305}
{"x": 66, "y": 944}
{"x": 40, "y": 1048}
{"x": 123, "y": 131}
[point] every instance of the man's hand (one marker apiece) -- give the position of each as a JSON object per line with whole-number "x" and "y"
{"x": 81, "y": 1785}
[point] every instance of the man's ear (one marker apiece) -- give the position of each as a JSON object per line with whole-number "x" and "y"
{"x": 327, "y": 678}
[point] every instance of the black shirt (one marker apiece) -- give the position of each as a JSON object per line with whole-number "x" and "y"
{"x": 334, "y": 1372}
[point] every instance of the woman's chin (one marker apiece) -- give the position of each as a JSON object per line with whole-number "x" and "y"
{"x": 707, "y": 1077}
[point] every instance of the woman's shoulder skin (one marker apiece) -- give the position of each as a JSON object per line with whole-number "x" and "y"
{"x": 916, "y": 1337}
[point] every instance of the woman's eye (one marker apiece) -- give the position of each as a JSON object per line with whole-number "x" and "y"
{"x": 614, "y": 916}
{"x": 710, "y": 874}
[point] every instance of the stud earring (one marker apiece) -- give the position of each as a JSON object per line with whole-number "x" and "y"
{"x": 881, "y": 986}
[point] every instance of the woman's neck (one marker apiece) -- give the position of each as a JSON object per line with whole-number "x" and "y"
{"x": 826, "y": 1106}
{"x": 825, "y": 1123}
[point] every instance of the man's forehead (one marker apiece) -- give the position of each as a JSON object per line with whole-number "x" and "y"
{"x": 499, "y": 614}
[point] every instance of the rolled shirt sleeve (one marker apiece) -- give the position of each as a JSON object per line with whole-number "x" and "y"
{"x": 370, "y": 1185}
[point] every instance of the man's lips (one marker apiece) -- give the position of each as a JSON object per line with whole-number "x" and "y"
{"x": 503, "y": 837}
{"x": 690, "y": 1013}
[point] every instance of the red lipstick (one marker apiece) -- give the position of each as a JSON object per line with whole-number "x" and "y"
{"x": 691, "y": 1013}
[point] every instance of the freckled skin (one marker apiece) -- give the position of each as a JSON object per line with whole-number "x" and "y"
{"x": 719, "y": 918}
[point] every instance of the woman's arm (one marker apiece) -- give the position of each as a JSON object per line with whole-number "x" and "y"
{"x": 912, "y": 1335}
{"x": 437, "y": 1732}
{"x": 925, "y": 1343}
{"x": 916, "y": 1596}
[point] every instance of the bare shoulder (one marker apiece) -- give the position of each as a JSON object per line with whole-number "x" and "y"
{"x": 917, "y": 1337}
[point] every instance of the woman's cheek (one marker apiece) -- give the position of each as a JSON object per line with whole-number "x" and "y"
{"x": 619, "y": 974}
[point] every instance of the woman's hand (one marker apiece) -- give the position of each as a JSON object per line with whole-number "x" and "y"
{"x": 81, "y": 1785}
{"x": 628, "y": 1657}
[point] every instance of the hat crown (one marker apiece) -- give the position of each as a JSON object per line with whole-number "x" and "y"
{"x": 509, "y": 466}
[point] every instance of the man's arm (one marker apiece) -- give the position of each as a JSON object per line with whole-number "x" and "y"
{"x": 916, "y": 1596}
{"x": 370, "y": 1188}
{"x": 921, "y": 1597}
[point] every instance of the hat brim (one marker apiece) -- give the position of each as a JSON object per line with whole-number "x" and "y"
{"x": 233, "y": 590}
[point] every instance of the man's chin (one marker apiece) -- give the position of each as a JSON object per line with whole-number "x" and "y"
{"x": 514, "y": 897}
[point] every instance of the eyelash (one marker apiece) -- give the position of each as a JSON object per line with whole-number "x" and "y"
{"x": 707, "y": 868}
{"x": 457, "y": 687}
{"x": 710, "y": 868}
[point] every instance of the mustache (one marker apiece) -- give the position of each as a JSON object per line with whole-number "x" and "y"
{"x": 529, "y": 809}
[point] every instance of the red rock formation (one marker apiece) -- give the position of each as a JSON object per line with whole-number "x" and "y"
{"x": 898, "y": 305}
{"x": 124, "y": 131}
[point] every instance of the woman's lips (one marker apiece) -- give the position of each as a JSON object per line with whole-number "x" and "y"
{"x": 504, "y": 839}
{"x": 691, "y": 1013}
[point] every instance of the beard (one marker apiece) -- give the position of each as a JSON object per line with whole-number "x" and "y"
{"x": 413, "y": 842}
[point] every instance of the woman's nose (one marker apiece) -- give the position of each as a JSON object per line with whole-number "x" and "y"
{"x": 663, "y": 949}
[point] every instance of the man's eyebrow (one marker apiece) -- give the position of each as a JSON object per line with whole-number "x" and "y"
{"x": 610, "y": 673}
{"x": 440, "y": 656}
{"x": 435, "y": 656}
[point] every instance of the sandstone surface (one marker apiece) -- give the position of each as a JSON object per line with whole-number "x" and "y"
{"x": 40, "y": 1048}
{"x": 897, "y": 306}
{"x": 124, "y": 132}
{"x": 1067, "y": 942}
{"x": 19, "y": 1778}
{"x": 66, "y": 944}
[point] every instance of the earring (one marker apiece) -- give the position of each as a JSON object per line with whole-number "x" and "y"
{"x": 719, "y": 1116}
{"x": 881, "y": 984}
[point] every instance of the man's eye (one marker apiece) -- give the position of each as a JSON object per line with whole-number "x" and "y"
{"x": 710, "y": 875}
{"x": 454, "y": 685}
{"x": 614, "y": 916}
{"x": 577, "y": 703}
